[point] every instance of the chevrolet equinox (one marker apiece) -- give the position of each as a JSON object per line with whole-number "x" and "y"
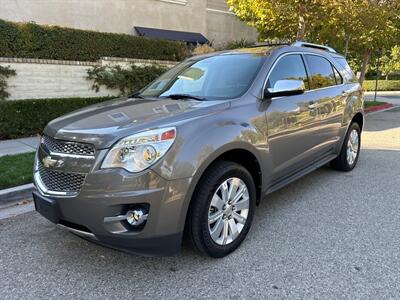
{"x": 193, "y": 153}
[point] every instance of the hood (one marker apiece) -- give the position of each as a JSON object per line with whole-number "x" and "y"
{"x": 105, "y": 123}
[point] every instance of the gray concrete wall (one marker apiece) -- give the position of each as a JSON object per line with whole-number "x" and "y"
{"x": 120, "y": 16}
{"x": 223, "y": 27}
{"x": 38, "y": 79}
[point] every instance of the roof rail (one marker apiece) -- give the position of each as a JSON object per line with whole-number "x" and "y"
{"x": 311, "y": 45}
{"x": 269, "y": 45}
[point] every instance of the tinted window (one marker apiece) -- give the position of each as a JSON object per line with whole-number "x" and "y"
{"x": 342, "y": 61}
{"x": 288, "y": 67}
{"x": 321, "y": 72}
{"x": 216, "y": 77}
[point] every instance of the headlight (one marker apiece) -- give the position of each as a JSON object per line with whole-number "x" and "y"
{"x": 137, "y": 152}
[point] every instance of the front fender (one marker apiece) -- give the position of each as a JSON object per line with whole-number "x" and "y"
{"x": 194, "y": 150}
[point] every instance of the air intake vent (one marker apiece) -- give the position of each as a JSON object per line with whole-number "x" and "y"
{"x": 61, "y": 182}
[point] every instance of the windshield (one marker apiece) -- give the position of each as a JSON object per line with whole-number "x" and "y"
{"x": 216, "y": 77}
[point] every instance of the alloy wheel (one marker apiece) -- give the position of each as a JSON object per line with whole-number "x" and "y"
{"x": 228, "y": 211}
{"x": 352, "y": 147}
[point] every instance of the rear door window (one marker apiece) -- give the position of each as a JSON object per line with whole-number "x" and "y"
{"x": 321, "y": 72}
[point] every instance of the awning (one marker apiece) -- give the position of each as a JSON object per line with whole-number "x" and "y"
{"x": 172, "y": 35}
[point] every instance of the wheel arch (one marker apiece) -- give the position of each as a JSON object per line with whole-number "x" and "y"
{"x": 241, "y": 155}
{"x": 359, "y": 119}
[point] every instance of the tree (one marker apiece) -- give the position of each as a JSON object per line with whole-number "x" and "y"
{"x": 391, "y": 63}
{"x": 369, "y": 26}
{"x": 360, "y": 27}
{"x": 284, "y": 19}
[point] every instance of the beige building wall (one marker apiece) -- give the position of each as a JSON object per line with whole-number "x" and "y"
{"x": 209, "y": 17}
{"x": 223, "y": 26}
{"x": 109, "y": 15}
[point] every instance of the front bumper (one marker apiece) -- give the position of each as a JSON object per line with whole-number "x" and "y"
{"x": 108, "y": 193}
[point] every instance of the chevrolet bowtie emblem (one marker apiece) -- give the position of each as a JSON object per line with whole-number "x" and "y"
{"x": 48, "y": 162}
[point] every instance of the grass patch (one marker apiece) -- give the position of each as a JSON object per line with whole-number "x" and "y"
{"x": 368, "y": 104}
{"x": 16, "y": 170}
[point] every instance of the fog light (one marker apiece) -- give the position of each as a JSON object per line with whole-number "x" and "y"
{"x": 136, "y": 217}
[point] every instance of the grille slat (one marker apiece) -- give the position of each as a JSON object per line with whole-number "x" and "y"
{"x": 60, "y": 181}
{"x": 65, "y": 147}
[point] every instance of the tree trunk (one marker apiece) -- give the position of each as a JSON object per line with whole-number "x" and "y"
{"x": 366, "y": 57}
{"x": 301, "y": 31}
{"x": 346, "y": 49}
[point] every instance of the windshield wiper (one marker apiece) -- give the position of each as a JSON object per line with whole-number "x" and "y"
{"x": 136, "y": 95}
{"x": 184, "y": 96}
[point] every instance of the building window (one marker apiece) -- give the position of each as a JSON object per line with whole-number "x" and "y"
{"x": 219, "y": 6}
{"x": 181, "y": 2}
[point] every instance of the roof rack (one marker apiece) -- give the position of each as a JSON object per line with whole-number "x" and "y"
{"x": 311, "y": 45}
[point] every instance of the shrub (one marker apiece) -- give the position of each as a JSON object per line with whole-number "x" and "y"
{"x": 202, "y": 49}
{"x": 243, "y": 43}
{"x": 22, "y": 118}
{"x": 29, "y": 40}
{"x": 127, "y": 80}
{"x": 383, "y": 85}
{"x": 5, "y": 73}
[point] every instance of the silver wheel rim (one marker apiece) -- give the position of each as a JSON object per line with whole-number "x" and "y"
{"x": 228, "y": 211}
{"x": 352, "y": 147}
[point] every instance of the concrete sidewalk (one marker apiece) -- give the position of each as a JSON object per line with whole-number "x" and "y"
{"x": 17, "y": 146}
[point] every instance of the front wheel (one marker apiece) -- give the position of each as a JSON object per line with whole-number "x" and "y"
{"x": 348, "y": 157}
{"x": 222, "y": 209}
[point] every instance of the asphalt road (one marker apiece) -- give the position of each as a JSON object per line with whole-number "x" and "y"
{"x": 330, "y": 235}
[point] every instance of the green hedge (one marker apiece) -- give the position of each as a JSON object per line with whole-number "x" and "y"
{"x": 22, "y": 118}
{"x": 29, "y": 40}
{"x": 383, "y": 85}
{"x": 126, "y": 80}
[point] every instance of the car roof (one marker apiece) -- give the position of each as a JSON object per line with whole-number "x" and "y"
{"x": 267, "y": 50}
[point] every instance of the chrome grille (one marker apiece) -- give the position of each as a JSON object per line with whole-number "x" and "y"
{"x": 65, "y": 147}
{"x": 59, "y": 181}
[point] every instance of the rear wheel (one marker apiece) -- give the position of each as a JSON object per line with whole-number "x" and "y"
{"x": 348, "y": 157}
{"x": 222, "y": 210}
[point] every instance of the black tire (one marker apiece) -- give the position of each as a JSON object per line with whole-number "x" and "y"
{"x": 197, "y": 225}
{"x": 340, "y": 163}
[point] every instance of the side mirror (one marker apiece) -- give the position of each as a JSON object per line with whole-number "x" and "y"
{"x": 286, "y": 87}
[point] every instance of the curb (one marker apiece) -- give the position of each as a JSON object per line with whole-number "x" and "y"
{"x": 377, "y": 108}
{"x": 15, "y": 194}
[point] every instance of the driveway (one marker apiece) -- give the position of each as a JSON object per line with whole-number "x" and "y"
{"x": 330, "y": 235}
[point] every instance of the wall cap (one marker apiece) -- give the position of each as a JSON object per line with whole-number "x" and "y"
{"x": 83, "y": 63}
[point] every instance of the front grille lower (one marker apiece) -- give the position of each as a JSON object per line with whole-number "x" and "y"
{"x": 59, "y": 181}
{"x": 65, "y": 147}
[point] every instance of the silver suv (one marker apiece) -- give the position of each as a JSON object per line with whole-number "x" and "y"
{"x": 193, "y": 153}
